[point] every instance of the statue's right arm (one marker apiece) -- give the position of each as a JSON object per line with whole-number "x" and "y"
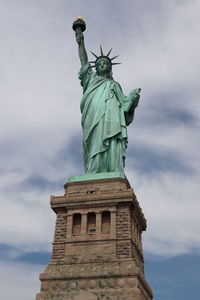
{"x": 81, "y": 47}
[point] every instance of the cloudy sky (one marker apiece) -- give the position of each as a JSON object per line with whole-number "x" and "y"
{"x": 40, "y": 133}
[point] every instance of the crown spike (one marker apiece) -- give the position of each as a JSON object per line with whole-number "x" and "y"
{"x": 114, "y": 57}
{"x": 94, "y": 63}
{"x": 94, "y": 54}
{"x": 101, "y": 51}
{"x": 109, "y": 52}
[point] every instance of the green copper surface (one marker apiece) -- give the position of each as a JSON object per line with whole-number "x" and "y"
{"x": 106, "y": 113}
{"x": 96, "y": 176}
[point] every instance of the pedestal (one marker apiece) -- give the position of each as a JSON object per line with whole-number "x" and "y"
{"x": 97, "y": 249}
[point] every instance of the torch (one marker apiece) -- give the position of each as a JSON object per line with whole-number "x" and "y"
{"x": 79, "y": 24}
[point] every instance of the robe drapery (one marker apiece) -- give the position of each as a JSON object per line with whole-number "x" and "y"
{"x": 104, "y": 121}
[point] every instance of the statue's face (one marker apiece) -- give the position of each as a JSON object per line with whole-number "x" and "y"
{"x": 103, "y": 67}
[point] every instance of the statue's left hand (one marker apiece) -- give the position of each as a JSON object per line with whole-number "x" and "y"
{"x": 134, "y": 96}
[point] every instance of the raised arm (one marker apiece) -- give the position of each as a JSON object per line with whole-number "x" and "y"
{"x": 81, "y": 47}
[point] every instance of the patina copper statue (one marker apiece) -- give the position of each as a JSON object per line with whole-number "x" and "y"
{"x": 106, "y": 111}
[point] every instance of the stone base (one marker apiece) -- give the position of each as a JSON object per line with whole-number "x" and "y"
{"x": 112, "y": 280}
{"x": 101, "y": 259}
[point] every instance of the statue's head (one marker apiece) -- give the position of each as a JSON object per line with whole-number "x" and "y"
{"x": 103, "y": 66}
{"x": 103, "y": 63}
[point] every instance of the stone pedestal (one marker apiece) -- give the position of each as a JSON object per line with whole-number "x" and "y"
{"x": 97, "y": 248}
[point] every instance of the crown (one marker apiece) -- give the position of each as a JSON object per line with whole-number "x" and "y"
{"x": 103, "y": 56}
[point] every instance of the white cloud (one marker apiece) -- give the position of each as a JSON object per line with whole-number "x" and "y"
{"x": 27, "y": 221}
{"x": 164, "y": 56}
{"x": 19, "y": 281}
{"x": 171, "y": 205}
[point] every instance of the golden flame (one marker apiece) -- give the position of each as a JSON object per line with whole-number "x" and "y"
{"x": 79, "y": 19}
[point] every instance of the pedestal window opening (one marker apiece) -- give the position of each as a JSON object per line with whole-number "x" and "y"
{"x": 76, "y": 229}
{"x": 91, "y": 223}
{"x": 105, "y": 225}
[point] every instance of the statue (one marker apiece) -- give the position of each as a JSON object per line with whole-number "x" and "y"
{"x": 106, "y": 111}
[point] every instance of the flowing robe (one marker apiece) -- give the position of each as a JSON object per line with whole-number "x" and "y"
{"x": 104, "y": 121}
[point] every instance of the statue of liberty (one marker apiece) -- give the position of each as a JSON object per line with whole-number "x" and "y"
{"x": 106, "y": 111}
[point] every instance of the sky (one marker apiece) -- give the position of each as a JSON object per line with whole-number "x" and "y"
{"x": 41, "y": 136}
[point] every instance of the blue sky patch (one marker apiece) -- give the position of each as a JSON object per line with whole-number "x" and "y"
{"x": 10, "y": 253}
{"x": 174, "y": 278}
